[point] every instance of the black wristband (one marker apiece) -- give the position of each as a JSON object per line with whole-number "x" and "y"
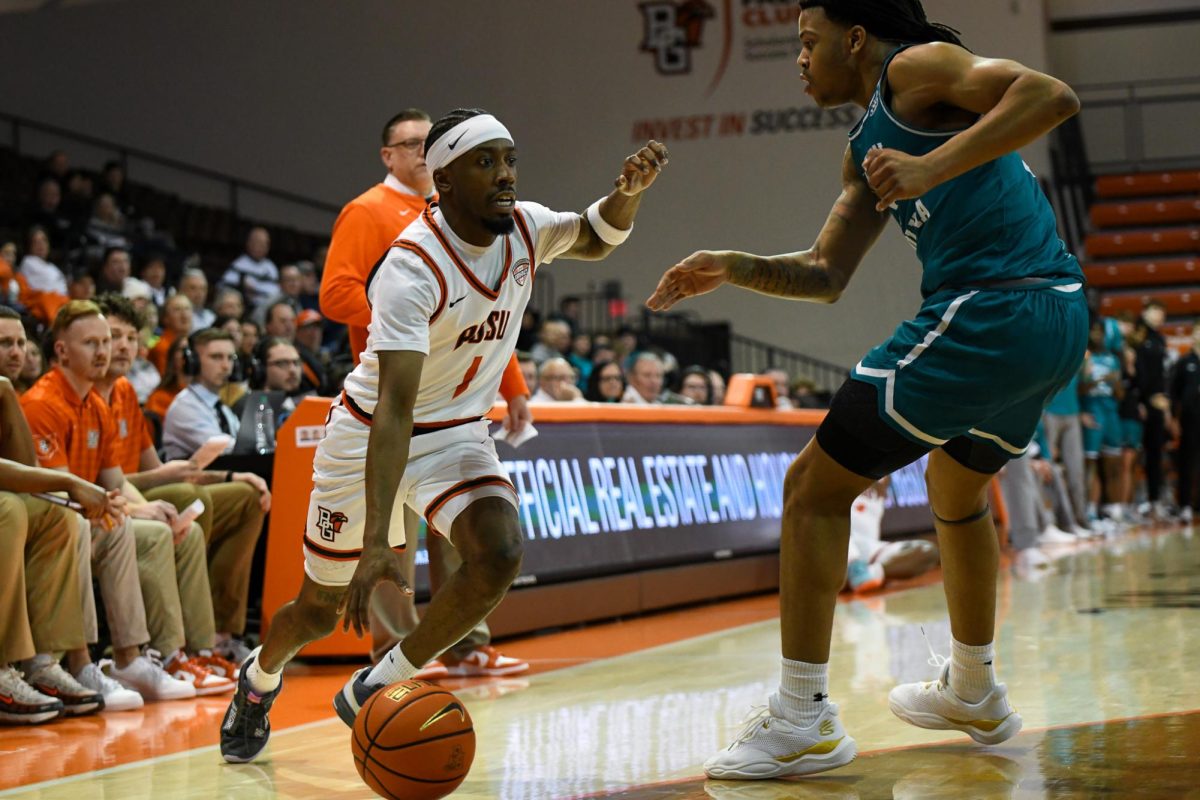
{"x": 229, "y": 476}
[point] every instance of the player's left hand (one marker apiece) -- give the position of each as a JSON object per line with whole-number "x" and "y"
{"x": 895, "y": 176}
{"x": 641, "y": 169}
{"x": 518, "y": 415}
{"x": 376, "y": 564}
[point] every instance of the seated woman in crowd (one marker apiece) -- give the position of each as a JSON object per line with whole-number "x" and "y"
{"x": 174, "y": 381}
{"x": 606, "y": 384}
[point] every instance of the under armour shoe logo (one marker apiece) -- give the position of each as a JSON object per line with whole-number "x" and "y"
{"x": 826, "y": 728}
{"x": 818, "y": 697}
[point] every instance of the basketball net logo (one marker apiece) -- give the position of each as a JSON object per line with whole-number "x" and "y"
{"x": 672, "y": 30}
{"x": 329, "y": 523}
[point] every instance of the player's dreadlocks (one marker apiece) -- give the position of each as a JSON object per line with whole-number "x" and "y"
{"x": 902, "y": 21}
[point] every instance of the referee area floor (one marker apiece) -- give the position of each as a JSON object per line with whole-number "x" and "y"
{"x": 1100, "y": 652}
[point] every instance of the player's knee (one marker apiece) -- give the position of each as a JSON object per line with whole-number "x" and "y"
{"x": 807, "y": 492}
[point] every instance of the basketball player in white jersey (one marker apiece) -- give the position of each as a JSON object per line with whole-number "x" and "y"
{"x": 447, "y": 301}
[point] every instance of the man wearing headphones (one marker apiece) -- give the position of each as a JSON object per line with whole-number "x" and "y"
{"x": 197, "y": 413}
{"x": 275, "y": 367}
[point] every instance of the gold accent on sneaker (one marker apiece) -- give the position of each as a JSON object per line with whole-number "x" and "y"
{"x": 988, "y": 725}
{"x": 818, "y": 749}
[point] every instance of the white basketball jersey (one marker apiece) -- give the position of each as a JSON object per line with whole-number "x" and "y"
{"x": 460, "y": 305}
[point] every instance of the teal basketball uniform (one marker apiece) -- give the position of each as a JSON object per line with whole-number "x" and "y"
{"x": 1106, "y": 436}
{"x": 1003, "y": 325}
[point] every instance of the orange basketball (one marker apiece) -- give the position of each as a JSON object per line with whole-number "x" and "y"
{"x": 413, "y": 741}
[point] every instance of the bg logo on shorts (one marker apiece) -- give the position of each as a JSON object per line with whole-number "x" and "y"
{"x": 329, "y": 523}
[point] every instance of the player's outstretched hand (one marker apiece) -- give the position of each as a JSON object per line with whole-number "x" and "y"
{"x": 697, "y": 274}
{"x": 895, "y": 176}
{"x": 376, "y": 564}
{"x": 640, "y": 169}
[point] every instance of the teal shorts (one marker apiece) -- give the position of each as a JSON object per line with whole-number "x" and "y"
{"x": 1105, "y": 438}
{"x": 979, "y": 363}
{"x": 1131, "y": 433}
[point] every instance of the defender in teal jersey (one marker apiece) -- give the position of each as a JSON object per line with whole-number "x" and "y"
{"x": 1002, "y": 329}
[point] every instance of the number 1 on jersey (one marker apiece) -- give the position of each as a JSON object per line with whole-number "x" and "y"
{"x": 469, "y": 376}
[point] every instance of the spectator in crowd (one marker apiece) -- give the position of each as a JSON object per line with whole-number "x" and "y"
{"x": 645, "y": 380}
{"x": 1132, "y": 411}
{"x": 554, "y": 341}
{"x": 531, "y": 323}
{"x": 238, "y": 384}
{"x": 782, "y": 381}
{"x": 176, "y": 324}
{"x": 1152, "y": 385}
{"x": 279, "y": 320}
{"x": 56, "y": 168}
{"x": 606, "y": 384}
{"x": 138, "y": 292}
{"x": 136, "y": 560}
{"x": 569, "y": 309}
{"x": 627, "y": 346}
{"x": 154, "y": 273}
{"x": 1185, "y": 405}
{"x": 556, "y": 383}
{"x": 276, "y": 368}
{"x": 8, "y": 252}
{"x": 193, "y": 284}
{"x": 234, "y": 502}
{"x": 805, "y": 395}
{"x": 718, "y": 387}
{"x": 197, "y": 414}
{"x": 696, "y": 385}
{"x": 12, "y": 345}
{"x": 112, "y": 181}
{"x": 32, "y": 369}
{"x": 78, "y": 199}
{"x": 602, "y": 350}
{"x": 289, "y": 292}
{"x": 106, "y": 228}
{"x": 81, "y": 285}
{"x": 310, "y": 331}
{"x": 48, "y": 215}
{"x": 1064, "y": 445}
{"x": 251, "y": 333}
{"x": 253, "y": 272}
{"x": 114, "y": 271}
{"x": 529, "y": 369}
{"x": 175, "y": 379}
{"x": 228, "y": 302}
{"x": 310, "y": 286}
{"x": 581, "y": 358}
{"x": 39, "y": 272}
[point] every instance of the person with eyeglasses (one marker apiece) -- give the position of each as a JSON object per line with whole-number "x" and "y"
{"x": 362, "y": 234}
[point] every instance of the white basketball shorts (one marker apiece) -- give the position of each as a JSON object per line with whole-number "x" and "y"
{"x": 447, "y": 471}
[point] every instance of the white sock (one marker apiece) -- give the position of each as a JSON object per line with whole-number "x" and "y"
{"x": 393, "y": 668}
{"x": 261, "y": 681}
{"x": 803, "y": 691}
{"x": 971, "y": 673}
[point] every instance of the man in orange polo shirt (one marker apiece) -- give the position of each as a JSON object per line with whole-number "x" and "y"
{"x": 176, "y": 324}
{"x": 362, "y": 234}
{"x": 234, "y": 502}
{"x": 74, "y": 431}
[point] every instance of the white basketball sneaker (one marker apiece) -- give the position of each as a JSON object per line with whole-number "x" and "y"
{"x": 934, "y": 705}
{"x": 771, "y": 747}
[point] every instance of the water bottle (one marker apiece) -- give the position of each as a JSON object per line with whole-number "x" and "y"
{"x": 264, "y": 426}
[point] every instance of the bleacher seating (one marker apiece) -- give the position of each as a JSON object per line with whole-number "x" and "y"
{"x": 1145, "y": 243}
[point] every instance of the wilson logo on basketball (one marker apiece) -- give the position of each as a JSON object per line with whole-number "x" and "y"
{"x": 489, "y": 330}
{"x": 520, "y": 271}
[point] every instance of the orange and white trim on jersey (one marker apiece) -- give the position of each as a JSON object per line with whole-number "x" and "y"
{"x": 523, "y": 227}
{"x": 355, "y": 409}
{"x": 457, "y": 489}
{"x": 466, "y": 271}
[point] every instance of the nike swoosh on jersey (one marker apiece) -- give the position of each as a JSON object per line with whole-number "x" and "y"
{"x": 453, "y": 303}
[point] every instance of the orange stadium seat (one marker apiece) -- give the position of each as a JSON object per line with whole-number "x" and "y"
{"x": 1147, "y": 184}
{"x": 1143, "y": 273}
{"x": 1144, "y": 242}
{"x": 1146, "y": 212}
{"x": 1178, "y": 302}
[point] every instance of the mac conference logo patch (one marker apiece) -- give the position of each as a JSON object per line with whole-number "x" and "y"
{"x": 520, "y": 271}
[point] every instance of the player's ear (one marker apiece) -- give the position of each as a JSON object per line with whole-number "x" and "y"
{"x": 856, "y": 39}
{"x": 441, "y": 179}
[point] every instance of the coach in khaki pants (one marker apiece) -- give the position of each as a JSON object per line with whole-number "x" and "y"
{"x": 39, "y": 591}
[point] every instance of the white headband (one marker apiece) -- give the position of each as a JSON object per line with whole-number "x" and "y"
{"x": 466, "y": 135}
